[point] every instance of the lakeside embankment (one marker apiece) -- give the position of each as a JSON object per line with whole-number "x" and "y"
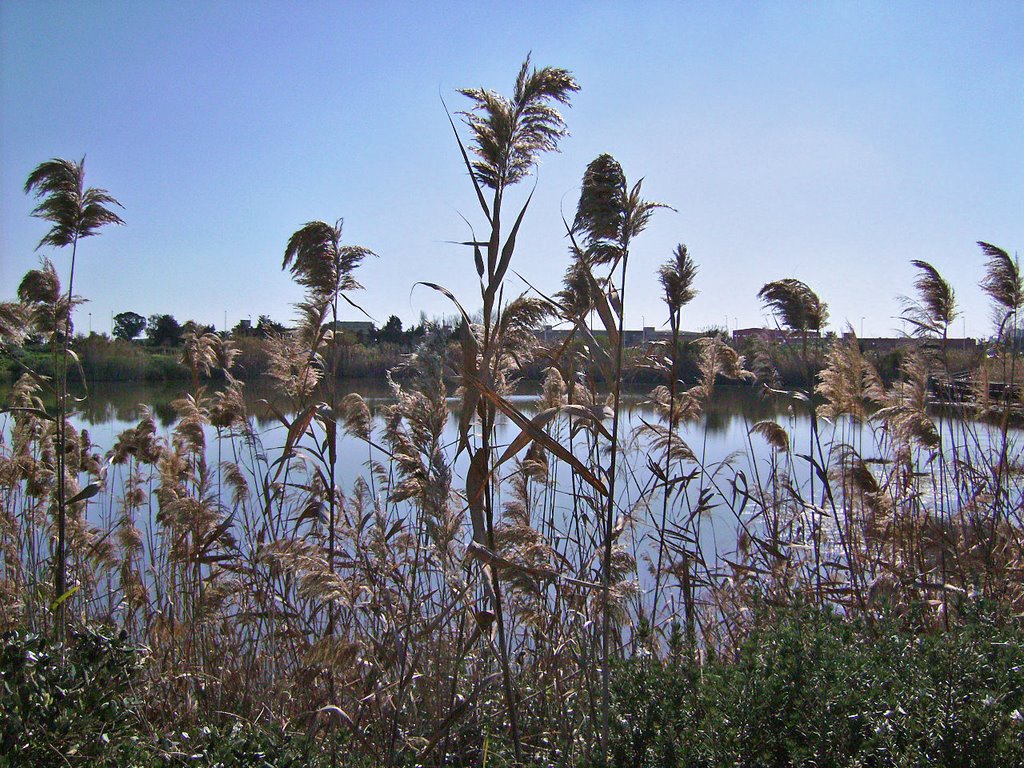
{"x": 116, "y": 360}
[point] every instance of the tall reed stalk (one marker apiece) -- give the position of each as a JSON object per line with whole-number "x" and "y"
{"x": 76, "y": 212}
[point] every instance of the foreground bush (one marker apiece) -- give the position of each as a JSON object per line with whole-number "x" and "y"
{"x": 73, "y": 700}
{"x": 86, "y": 702}
{"x": 807, "y": 687}
{"x": 810, "y": 688}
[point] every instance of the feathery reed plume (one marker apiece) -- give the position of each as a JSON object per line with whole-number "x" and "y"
{"x": 74, "y": 210}
{"x": 40, "y": 286}
{"x": 516, "y": 338}
{"x": 139, "y": 442}
{"x": 935, "y": 307}
{"x": 199, "y": 354}
{"x": 798, "y": 308}
{"x": 554, "y": 392}
{"x": 717, "y": 359}
{"x": 227, "y": 406}
{"x": 234, "y": 476}
{"x": 663, "y": 440}
{"x": 576, "y": 298}
{"x": 674, "y": 407}
{"x": 1002, "y": 279}
{"x": 601, "y": 210}
{"x": 795, "y": 304}
{"x": 318, "y": 261}
{"x": 677, "y": 277}
{"x": 45, "y": 308}
{"x": 842, "y": 381}
{"x": 414, "y": 433}
{"x": 290, "y": 363}
{"x": 355, "y": 416}
{"x": 609, "y": 214}
{"x": 509, "y": 133}
{"x": 867, "y": 494}
{"x": 905, "y": 414}
{"x": 13, "y": 323}
{"x": 774, "y": 434}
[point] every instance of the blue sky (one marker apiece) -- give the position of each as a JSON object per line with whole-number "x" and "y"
{"x": 832, "y": 142}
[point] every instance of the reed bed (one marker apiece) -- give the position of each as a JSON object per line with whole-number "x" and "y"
{"x": 466, "y": 602}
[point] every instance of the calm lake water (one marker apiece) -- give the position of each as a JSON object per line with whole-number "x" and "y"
{"x": 721, "y": 434}
{"x": 108, "y": 408}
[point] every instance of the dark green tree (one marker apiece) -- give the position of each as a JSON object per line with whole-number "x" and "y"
{"x": 391, "y": 333}
{"x": 163, "y": 331}
{"x": 128, "y": 325}
{"x": 194, "y": 326}
{"x": 268, "y": 327}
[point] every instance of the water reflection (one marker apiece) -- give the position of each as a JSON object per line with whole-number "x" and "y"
{"x": 115, "y": 406}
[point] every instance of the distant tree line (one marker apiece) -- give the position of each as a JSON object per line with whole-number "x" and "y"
{"x": 163, "y": 330}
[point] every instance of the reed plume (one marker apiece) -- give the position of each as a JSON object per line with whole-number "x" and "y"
{"x": 1002, "y": 281}
{"x": 510, "y": 132}
{"x": 677, "y": 277}
{"x": 795, "y": 304}
{"x": 935, "y": 307}
{"x": 843, "y": 380}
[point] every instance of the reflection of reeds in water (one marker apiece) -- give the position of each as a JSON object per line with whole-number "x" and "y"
{"x": 475, "y": 581}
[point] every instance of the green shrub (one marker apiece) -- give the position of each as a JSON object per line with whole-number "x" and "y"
{"x": 809, "y": 688}
{"x": 72, "y": 700}
{"x": 83, "y": 702}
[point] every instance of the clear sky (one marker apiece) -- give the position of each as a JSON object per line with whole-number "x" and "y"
{"x": 832, "y": 142}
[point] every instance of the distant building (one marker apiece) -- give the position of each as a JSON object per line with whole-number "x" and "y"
{"x": 355, "y": 327}
{"x": 630, "y": 337}
{"x": 775, "y": 335}
{"x": 890, "y": 343}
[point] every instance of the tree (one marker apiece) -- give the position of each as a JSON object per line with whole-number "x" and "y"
{"x": 163, "y": 330}
{"x": 128, "y": 325}
{"x": 76, "y": 212}
{"x": 391, "y": 332}
{"x": 242, "y": 328}
{"x": 267, "y": 327}
{"x": 194, "y": 326}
